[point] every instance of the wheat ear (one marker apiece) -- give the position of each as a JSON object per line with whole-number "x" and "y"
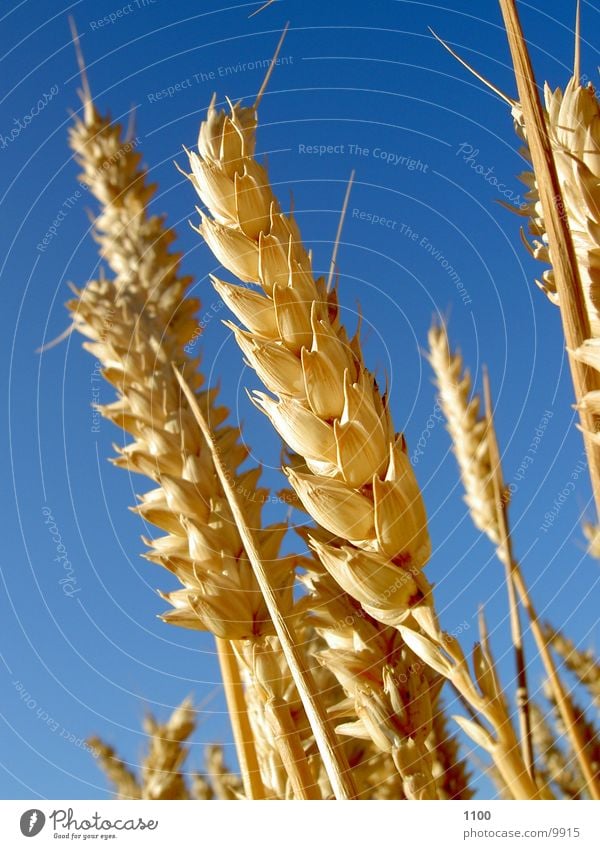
{"x": 501, "y": 532}
{"x": 138, "y": 325}
{"x": 478, "y": 464}
{"x": 354, "y": 478}
{"x": 161, "y": 768}
{"x": 160, "y": 772}
{"x": 220, "y": 782}
{"x": 555, "y": 204}
{"x": 119, "y": 774}
{"x": 357, "y": 481}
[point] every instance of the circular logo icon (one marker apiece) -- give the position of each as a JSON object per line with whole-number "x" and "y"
{"x": 32, "y": 822}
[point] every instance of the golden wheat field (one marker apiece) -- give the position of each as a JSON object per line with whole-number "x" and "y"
{"x": 371, "y": 510}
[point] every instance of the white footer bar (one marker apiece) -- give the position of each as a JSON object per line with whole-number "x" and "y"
{"x": 288, "y": 825}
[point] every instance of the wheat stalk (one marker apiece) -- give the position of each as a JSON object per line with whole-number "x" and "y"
{"x": 459, "y": 392}
{"x": 565, "y": 215}
{"x": 258, "y": 242}
{"x": 485, "y": 493}
{"x": 353, "y": 475}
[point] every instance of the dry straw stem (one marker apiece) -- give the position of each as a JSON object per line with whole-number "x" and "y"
{"x": 485, "y": 493}
{"x": 562, "y": 253}
{"x": 583, "y": 663}
{"x": 353, "y": 474}
{"x": 138, "y": 325}
{"x": 331, "y": 752}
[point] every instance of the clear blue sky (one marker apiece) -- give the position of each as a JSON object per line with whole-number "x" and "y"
{"x": 358, "y": 75}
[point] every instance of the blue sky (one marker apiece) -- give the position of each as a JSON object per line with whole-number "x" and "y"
{"x": 363, "y": 86}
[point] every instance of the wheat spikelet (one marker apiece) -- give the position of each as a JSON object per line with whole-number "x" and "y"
{"x": 475, "y": 447}
{"x": 516, "y": 585}
{"x": 582, "y": 663}
{"x": 138, "y": 325}
{"x": 118, "y": 773}
{"x": 467, "y": 428}
{"x": 573, "y": 120}
{"x": 389, "y": 695}
{"x": 160, "y": 775}
{"x": 231, "y": 182}
{"x": 218, "y": 780}
{"x": 161, "y": 768}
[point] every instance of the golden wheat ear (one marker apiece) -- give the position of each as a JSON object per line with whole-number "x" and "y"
{"x": 137, "y": 324}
